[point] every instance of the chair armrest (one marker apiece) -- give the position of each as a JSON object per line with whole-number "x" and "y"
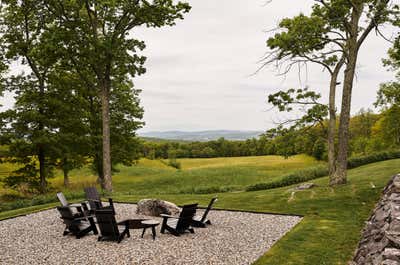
{"x": 82, "y": 218}
{"x": 92, "y": 200}
{"x": 168, "y": 216}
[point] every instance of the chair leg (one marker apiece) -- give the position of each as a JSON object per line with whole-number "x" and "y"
{"x": 191, "y": 230}
{"x": 164, "y": 225}
{"x": 153, "y": 231}
{"x": 144, "y": 230}
{"x": 172, "y": 231}
{"x": 93, "y": 226}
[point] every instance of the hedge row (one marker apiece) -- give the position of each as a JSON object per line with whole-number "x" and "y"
{"x": 376, "y": 157}
{"x": 37, "y": 200}
{"x": 294, "y": 178}
{"x": 319, "y": 172}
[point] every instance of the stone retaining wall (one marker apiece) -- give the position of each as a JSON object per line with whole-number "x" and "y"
{"x": 380, "y": 242}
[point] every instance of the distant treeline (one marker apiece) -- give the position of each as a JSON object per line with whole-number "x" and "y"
{"x": 370, "y": 132}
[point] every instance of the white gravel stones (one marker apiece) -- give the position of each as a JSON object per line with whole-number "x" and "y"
{"x": 234, "y": 238}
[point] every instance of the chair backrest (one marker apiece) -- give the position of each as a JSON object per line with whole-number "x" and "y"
{"x": 93, "y": 196}
{"x": 186, "y": 216}
{"x": 62, "y": 199}
{"x": 204, "y": 217}
{"x": 67, "y": 216}
{"x": 107, "y": 223}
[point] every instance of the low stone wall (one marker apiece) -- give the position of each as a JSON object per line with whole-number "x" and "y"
{"x": 380, "y": 242}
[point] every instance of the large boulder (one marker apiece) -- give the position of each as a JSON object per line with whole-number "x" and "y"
{"x": 155, "y": 207}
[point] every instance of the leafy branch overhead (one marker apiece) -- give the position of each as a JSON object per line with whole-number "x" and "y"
{"x": 302, "y": 100}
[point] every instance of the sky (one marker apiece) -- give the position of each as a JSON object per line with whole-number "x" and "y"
{"x": 200, "y": 73}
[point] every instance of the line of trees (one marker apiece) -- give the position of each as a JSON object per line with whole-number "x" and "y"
{"x": 75, "y": 100}
{"x": 369, "y": 132}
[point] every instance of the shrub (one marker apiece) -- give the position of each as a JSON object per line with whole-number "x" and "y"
{"x": 318, "y": 172}
{"x": 294, "y": 178}
{"x": 376, "y": 157}
{"x": 37, "y": 200}
{"x": 208, "y": 190}
{"x": 174, "y": 163}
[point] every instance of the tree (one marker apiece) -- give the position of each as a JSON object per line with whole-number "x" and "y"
{"x": 98, "y": 37}
{"x": 331, "y": 36}
{"x": 389, "y": 100}
{"x": 25, "y": 39}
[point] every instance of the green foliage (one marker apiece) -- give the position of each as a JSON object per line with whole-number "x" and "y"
{"x": 38, "y": 200}
{"x": 319, "y": 172}
{"x": 172, "y": 162}
{"x": 319, "y": 149}
{"x": 294, "y": 178}
{"x": 303, "y": 100}
{"x": 372, "y": 158}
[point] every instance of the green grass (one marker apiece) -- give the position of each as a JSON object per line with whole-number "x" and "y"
{"x": 196, "y": 175}
{"x": 333, "y": 218}
{"x": 205, "y": 174}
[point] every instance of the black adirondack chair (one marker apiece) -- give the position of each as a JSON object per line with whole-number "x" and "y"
{"x": 202, "y": 221}
{"x": 179, "y": 225}
{"x": 108, "y": 226}
{"x": 65, "y": 203}
{"x": 94, "y": 200}
{"x": 78, "y": 226}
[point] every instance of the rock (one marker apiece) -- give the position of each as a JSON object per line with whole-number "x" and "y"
{"x": 390, "y": 262}
{"x": 155, "y": 207}
{"x": 305, "y": 186}
{"x": 392, "y": 254}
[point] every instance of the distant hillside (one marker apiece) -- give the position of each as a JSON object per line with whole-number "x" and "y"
{"x": 203, "y": 135}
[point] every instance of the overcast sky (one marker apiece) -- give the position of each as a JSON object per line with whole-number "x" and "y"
{"x": 199, "y": 72}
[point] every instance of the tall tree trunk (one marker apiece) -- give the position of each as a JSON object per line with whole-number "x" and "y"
{"x": 340, "y": 174}
{"x": 42, "y": 169}
{"x": 65, "y": 171}
{"x": 332, "y": 118}
{"x": 66, "y": 178}
{"x": 105, "y": 111}
{"x": 41, "y": 151}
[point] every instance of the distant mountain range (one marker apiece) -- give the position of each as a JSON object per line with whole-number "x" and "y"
{"x": 202, "y": 135}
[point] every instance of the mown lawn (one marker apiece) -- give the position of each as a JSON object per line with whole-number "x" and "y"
{"x": 333, "y": 218}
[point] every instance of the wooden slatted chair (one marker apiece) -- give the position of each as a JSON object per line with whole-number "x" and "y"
{"x": 78, "y": 226}
{"x": 65, "y": 203}
{"x": 108, "y": 226}
{"x": 94, "y": 199}
{"x": 179, "y": 225}
{"x": 202, "y": 221}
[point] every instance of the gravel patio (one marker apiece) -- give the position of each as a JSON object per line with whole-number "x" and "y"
{"x": 234, "y": 238}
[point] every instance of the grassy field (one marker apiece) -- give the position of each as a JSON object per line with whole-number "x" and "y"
{"x": 333, "y": 218}
{"x": 196, "y": 175}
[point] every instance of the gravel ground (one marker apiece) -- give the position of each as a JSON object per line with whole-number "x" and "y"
{"x": 234, "y": 238}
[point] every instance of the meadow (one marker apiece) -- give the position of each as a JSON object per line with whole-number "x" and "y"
{"x": 195, "y": 176}
{"x": 333, "y": 217}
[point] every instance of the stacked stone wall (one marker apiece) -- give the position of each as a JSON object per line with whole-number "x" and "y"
{"x": 380, "y": 242}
